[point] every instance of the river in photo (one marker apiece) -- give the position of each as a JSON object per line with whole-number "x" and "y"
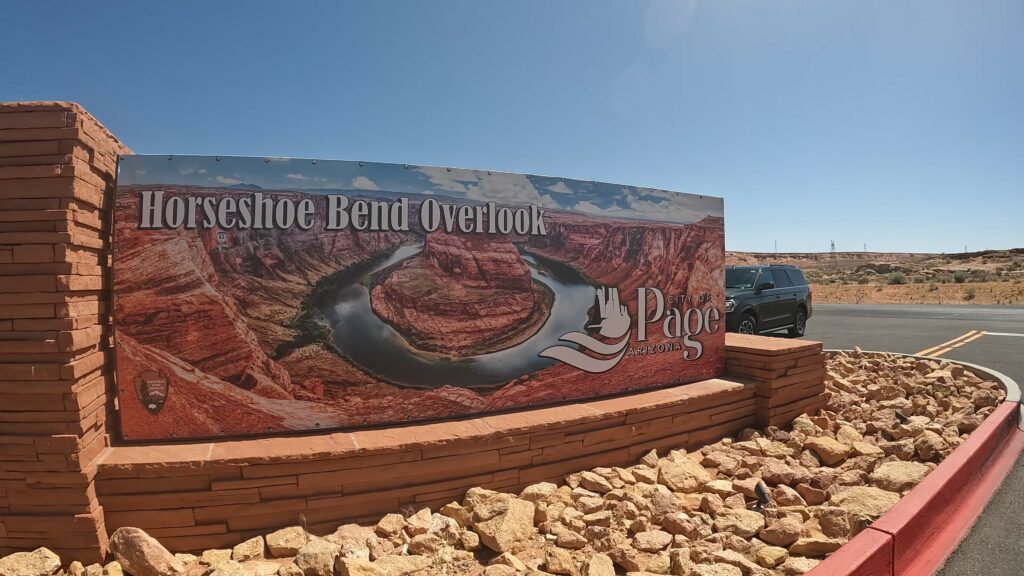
{"x": 362, "y": 337}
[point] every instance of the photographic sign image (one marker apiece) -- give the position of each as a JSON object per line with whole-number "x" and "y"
{"x": 263, "y": 295}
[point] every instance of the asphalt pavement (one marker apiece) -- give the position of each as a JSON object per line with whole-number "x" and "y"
{"x": 990, "y": 336}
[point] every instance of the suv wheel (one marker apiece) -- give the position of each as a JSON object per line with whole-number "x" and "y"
{"x": 799, "y": 324}
{"x": 747, "y": 325}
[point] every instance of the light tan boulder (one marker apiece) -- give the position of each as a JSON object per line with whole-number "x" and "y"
{"x": 538, "y": 492}
{"x": 652, "y": 540}
{"x": 815, "y": 546}
{"x": 503, "y": 531}
{"x": 251, "y": 549}
{"x": 898, "y": 476}
{"x": 286, "y": 541}
{"x": 781, "y": 533}
{"x": 354, "y": 567}
{"x": 469, "y": 540}
{"x": 229, "y": 567}
{"x": 39, "y": 562}
{"x": 508, "y": 559}
{"x": 680, "y": 563}
{"x": 418, "y": 523}
{"x": 771, "y": 556}
{"x": 865, "y": 501}
{"x": 715, "y": 570}
{"x": 317, "y": 557}
{"x": 141, "y": 555}
{"x": 683, "y": 475}
{"x": 930, "y": 446}
{"x": 743, "y": 523}
{"x": 797, "y": 565}
{"x": 570, "y": 540}
{"x": 560, "y": 561}
{"x": 215, "y": 556}
{"x": 595, "y": 483}
{"x": 402, "y": 565}
{"x": 830, "y": 451}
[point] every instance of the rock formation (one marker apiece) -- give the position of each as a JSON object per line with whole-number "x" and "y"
{"x": 462, "y": 295}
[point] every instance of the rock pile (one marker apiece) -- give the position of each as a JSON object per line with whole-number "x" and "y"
{"x": 767, "y": 502}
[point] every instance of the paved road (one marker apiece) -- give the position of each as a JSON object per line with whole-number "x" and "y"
{"x": 995, "y": 546}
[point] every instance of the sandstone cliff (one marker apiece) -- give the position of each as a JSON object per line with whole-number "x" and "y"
{"x": 462, "y": 295}
{"x": 634, "y": 254}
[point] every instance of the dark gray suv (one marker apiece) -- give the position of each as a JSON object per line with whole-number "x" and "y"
{"x": 766, "y": 298}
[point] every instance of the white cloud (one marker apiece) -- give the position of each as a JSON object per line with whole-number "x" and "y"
{"x": 364, "y": 183}
{"x": 548, "y": 202}
{"x": 560, "y": 187}
{"x": 658, "y": 205}
{"x": 186, "y": 171}
{"x": 226, "y": 180}
{"x": 296, "y": 177}
{"x": 589, "y": 208}
{"x": 501, "y": 187}
{"x": 202, "y": 170}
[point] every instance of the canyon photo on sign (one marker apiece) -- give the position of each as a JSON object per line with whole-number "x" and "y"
{"x": 264, "y": 295}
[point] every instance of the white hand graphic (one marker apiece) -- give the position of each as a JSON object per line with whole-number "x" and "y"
{"x": 614, "y": 316}
{"x": 614, "y": 324}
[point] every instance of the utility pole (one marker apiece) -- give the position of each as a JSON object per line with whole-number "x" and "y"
{"x": 776, "y": 247}
{"x": 835, "y": 260}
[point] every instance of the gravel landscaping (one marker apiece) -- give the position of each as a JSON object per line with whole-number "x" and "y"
{"x": 766, "y": 502}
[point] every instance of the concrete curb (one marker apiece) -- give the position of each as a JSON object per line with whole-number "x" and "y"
{"x": 916, "y": 536}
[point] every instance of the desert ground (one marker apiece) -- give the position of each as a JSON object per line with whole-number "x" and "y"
{"x": 986, "y": 277}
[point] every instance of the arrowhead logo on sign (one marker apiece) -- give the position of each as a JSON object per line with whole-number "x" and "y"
{"x": 615, "y": 323}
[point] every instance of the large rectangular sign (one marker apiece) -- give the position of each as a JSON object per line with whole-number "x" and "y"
{"x": 261, "y": 295}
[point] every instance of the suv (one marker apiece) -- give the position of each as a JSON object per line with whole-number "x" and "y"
{"x": 766, "y": 298}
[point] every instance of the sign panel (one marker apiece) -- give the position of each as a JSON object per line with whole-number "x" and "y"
{"x": 262, "y": 295}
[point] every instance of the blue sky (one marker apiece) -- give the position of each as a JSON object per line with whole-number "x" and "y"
{"x": 898, "y": 124}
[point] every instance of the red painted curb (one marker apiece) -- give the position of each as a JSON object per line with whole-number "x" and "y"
{"x": 866, "y": 554}
{"x": 916, "y": 536}
{"x": 929, "y": 522}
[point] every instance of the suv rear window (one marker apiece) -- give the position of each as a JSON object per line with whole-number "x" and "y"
{"x": 797, "y": 277}
{"x": 782, "y": 278}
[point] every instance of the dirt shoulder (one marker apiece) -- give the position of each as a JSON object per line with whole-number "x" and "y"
{"x": 993, "y": 277}
{"x": 991, "y": 293}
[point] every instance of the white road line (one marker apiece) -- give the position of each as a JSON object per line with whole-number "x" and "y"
{"x": 1004, "y": 334}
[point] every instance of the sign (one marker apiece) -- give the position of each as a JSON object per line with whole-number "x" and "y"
{"x": 263, "y": 295}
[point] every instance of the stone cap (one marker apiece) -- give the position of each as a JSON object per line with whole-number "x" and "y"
{"x": 382, "y": 440}
{"x": 768, "y": 346}
{"x": 60, "y": 105}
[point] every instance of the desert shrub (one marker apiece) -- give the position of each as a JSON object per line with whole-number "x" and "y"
{"x": 932, "y": 286}
{"x": 919, "y": 279}
{"x": 969, "y": 293}
{"x": 960, "y": 276}
{"x": 862, "y": 280}
{"x": 897, "y": 278}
